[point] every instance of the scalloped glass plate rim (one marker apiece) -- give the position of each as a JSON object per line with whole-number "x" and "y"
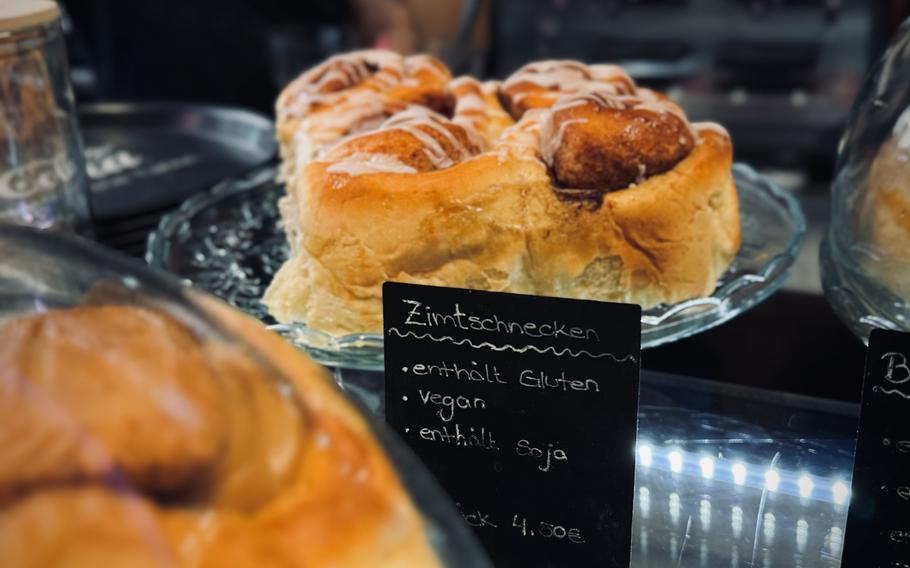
{"x": 854, "y": 307}
{"x": 660, "y": 325}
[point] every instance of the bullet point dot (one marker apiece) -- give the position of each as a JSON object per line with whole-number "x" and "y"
{"x": 406, "y": 430}
{"x": 405, "y": 398}
{"x": 404, "y": 369}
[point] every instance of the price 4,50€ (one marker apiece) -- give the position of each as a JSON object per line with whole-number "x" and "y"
{"x": 544, "y": 529}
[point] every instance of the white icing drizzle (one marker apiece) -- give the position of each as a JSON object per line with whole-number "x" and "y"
{"x": 350, "y": 69}
{"x": 432, "y": 149}
{"x": 464, "y": 81}
{"x": 566, "y": 103}
{"x": 415, "y": 63}
{"x": 344, "y": 118}
{"x": 537, "y": 136}
{"x": 472, "y": 111}
{"x": 411, "y": 119}
{"x": 570, "y": 77}
{"x": 518, "y": 97}
{"x": 522, "y": 139}
{"x": 548, "y": 73}
{"x": 362, "y": 163}
{"x": 608, "y": 72}
{"x": 549, "y": 143}
{"x": 388, "y": 77}
{"x": 471, "y": 103}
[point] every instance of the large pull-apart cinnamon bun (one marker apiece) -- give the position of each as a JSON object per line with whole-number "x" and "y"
{"x": 565, "y": 180}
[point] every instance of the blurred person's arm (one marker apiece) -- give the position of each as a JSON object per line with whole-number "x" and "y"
{"x": 386, "y": 24}
{"x": 410, "y": 26}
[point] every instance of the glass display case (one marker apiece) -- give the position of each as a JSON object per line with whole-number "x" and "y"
{"x": 740, "y": 477}
{"x": 733, "y": 468}
{"x": 178, "y": 425}
{"x": 866, "y": 253}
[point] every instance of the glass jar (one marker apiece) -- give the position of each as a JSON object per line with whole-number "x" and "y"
{"x": 42, "y": 166}
{"x": 865, "y": 256}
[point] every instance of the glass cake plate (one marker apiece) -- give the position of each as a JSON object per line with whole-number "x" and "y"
{"x": 229, "y": 241}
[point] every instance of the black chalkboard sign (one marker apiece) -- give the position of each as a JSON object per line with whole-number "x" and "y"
{"x": 878, "y": 526}
{"x": 525, "y": 408}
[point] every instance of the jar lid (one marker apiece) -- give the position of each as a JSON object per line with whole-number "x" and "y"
{"x": 17, "y": 15}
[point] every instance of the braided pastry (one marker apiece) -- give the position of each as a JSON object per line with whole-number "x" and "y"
{"x": 564, "y": 180}
{"x": 131, "y": 441}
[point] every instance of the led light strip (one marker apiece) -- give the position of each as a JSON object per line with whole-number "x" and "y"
{"x": 834, "y": 490}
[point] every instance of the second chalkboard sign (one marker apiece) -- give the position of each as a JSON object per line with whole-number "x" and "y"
{"x": 525, "y": 408}
{"x": 878, "y": 526}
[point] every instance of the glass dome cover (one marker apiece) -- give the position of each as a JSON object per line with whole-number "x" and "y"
{"x": 146, "y": 423}
{"x": 865, "y": 255}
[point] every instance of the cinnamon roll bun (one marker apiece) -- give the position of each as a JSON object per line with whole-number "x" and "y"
{"x": 565, "y": 179}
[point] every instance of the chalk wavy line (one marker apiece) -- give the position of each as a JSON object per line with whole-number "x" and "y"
{"x": 551, "y": 349}
{"x": 891, "y": 391}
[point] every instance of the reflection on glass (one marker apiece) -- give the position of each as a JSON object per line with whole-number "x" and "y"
{"x": 704, "y": 514}
{"x": 676, "y": 461}
{"x": 707, "y": 467}
{"x": 703, "y": 553}
{"x": 739, "y": 473}
{"x": 802, "y": 535}
{"x": 839, "y": 492}
{"x": 772, "y": 480}
{"x": 768, "y": 528}
{"x": 734, "y": 557}
{"x": 674, "y": 508}
{"x": 736, "y": 521}
{"x": 805, "y": 485}
{"x": 643, "y": 541}
{"x": 644, "y": 502}
{"x": 835, "y": 541}
{"x": 645, "y": 455}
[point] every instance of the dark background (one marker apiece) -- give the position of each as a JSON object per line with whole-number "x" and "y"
{"x": 779, "y": 74}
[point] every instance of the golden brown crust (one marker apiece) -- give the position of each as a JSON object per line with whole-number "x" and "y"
{"x": 88, "y": 526}
{"x": 294, "y": 482}
{"x": 352, "y": 93}
{"x": 75, "y": 401}
{"x": 609, "y": 143}
{"x": 405, "y": 138}
{"x": 665, "y": 240}
{"x": 601, "y": 191}
{"x": 541, "y": 84}
{"x": 884, "y": 216}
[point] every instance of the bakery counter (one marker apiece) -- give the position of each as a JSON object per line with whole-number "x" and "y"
{"x": 728, "y": 474}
